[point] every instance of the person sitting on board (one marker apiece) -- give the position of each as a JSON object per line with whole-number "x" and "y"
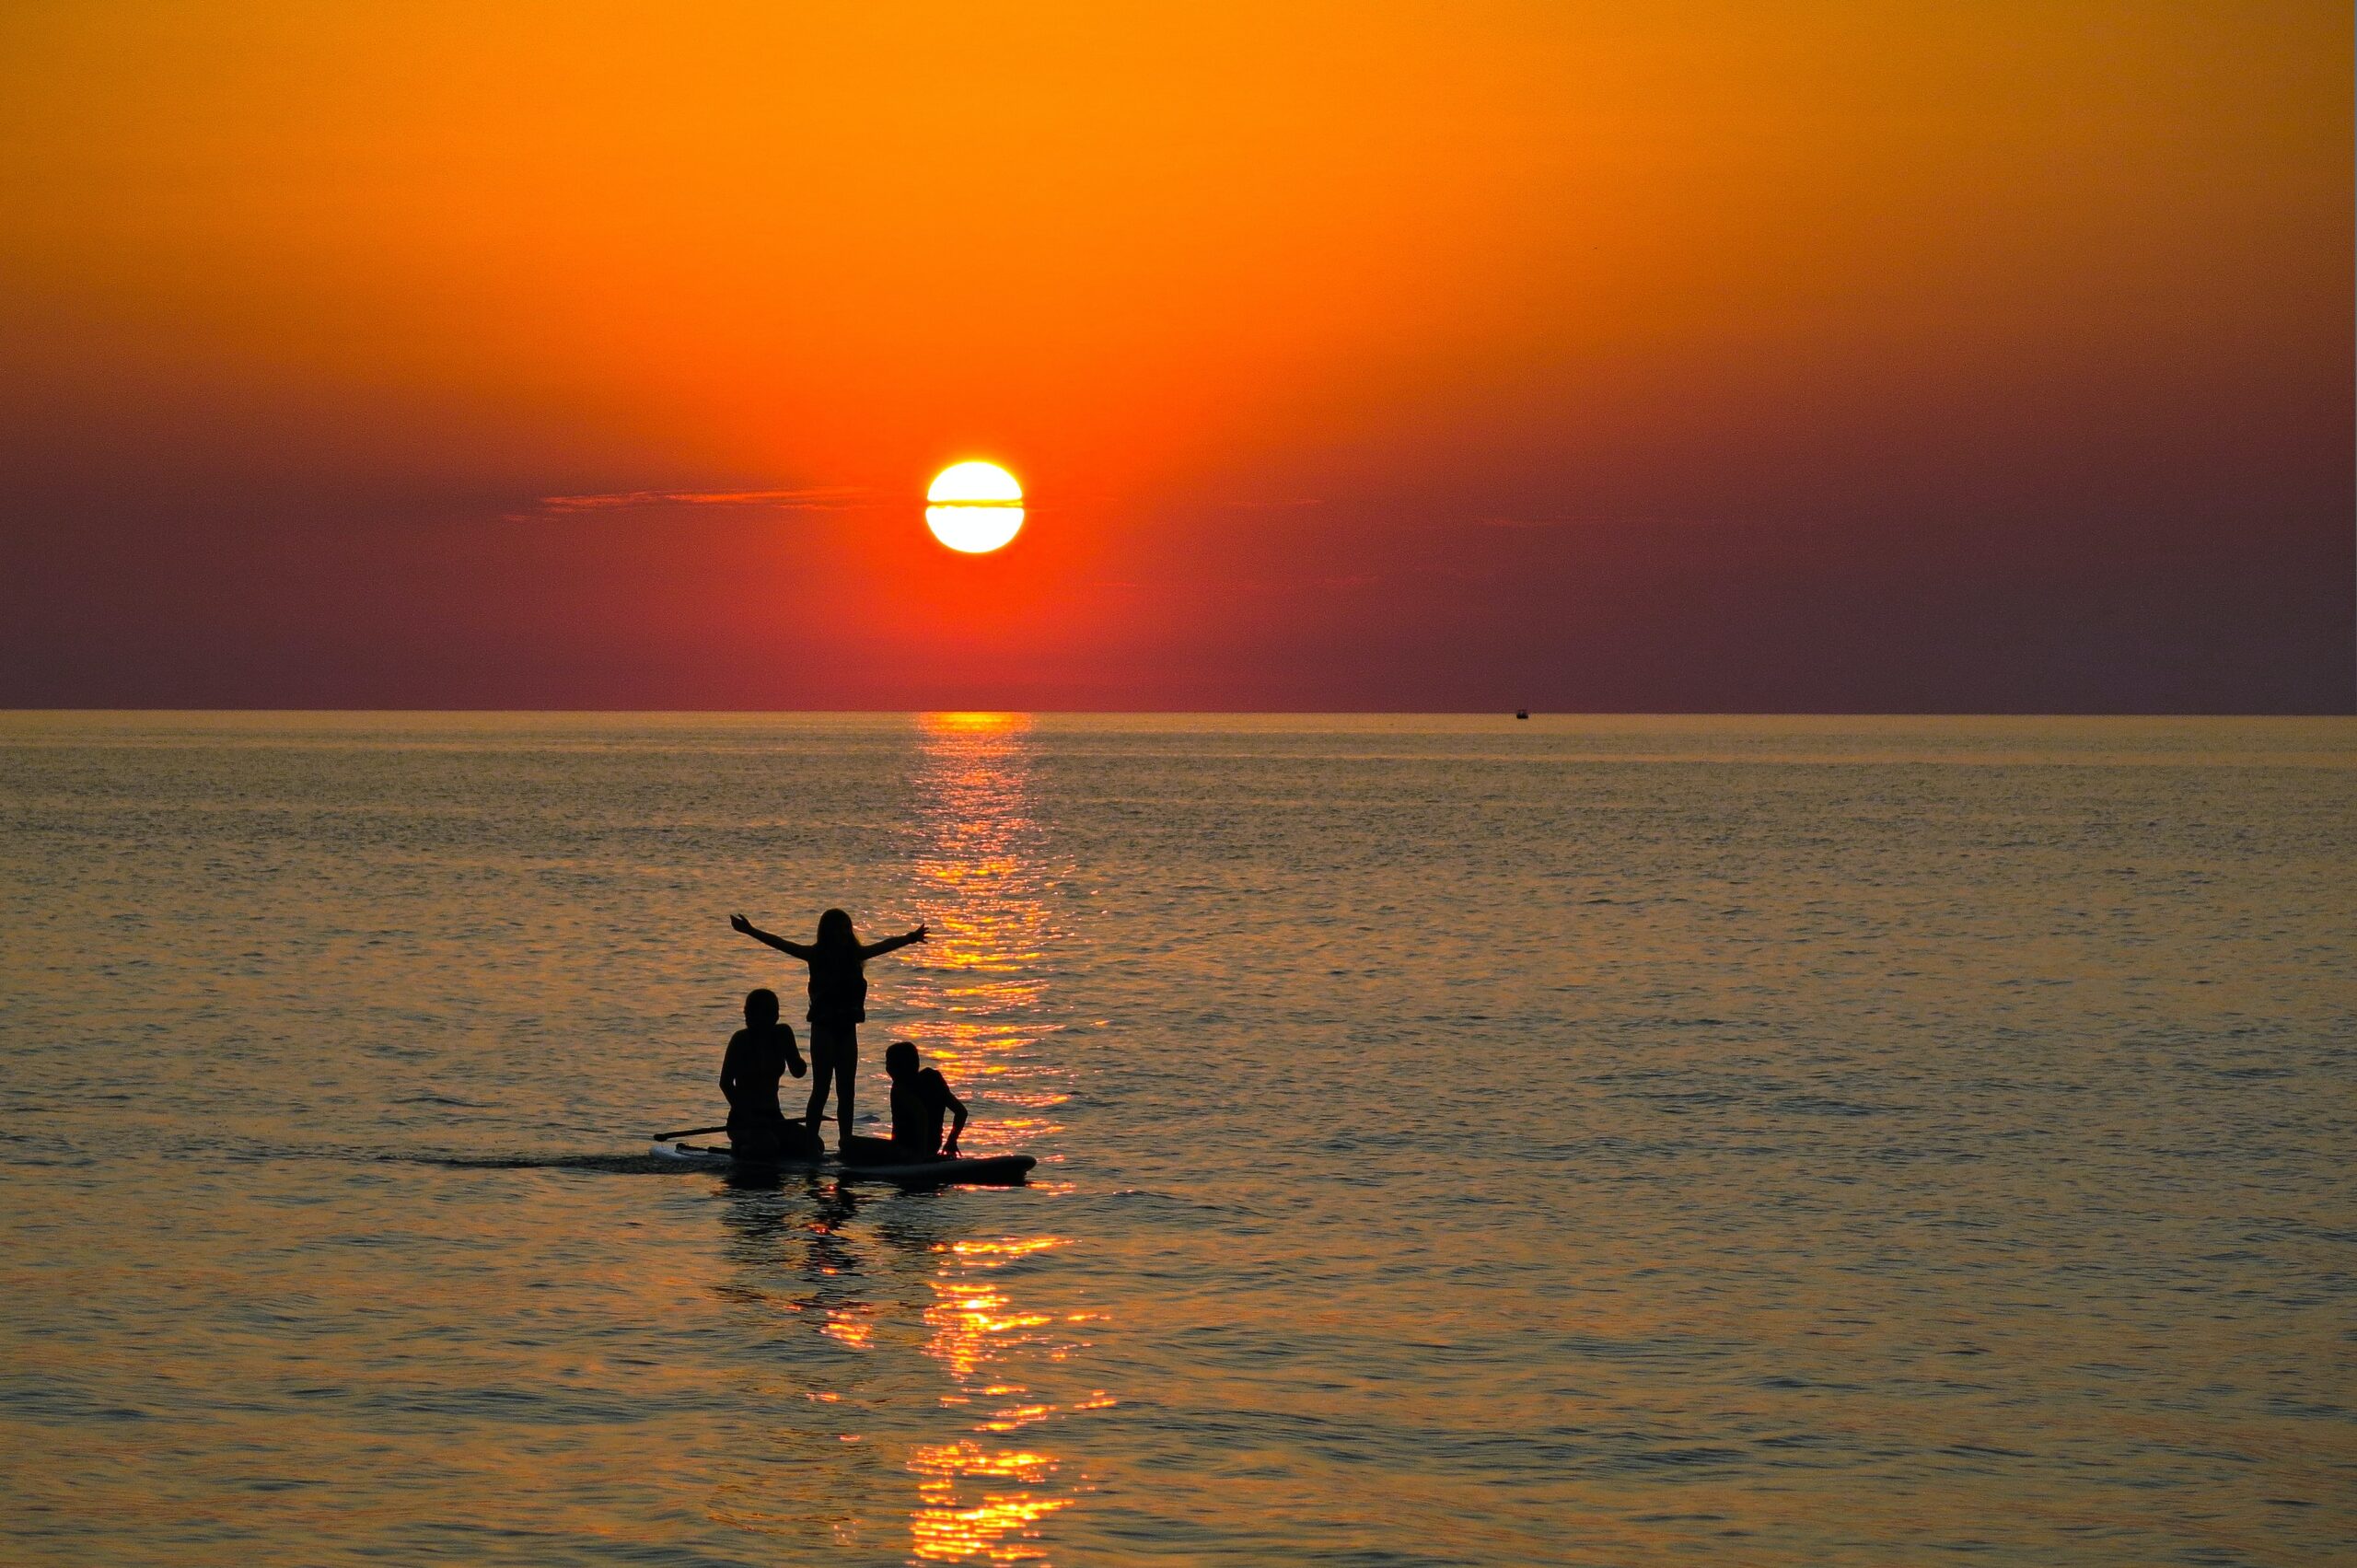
{"x": 838, "y": 961}
{"x": 759, "y": 1054}
{"x": 920, "y": 1097}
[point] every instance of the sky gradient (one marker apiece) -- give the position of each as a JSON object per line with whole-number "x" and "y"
{"x": 1606, "y": 356}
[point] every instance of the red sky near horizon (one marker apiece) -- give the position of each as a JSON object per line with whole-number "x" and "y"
{"x": 1604, "y": 357}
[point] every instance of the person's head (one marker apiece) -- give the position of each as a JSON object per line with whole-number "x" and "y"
{"x": 760, "y": 1008}
{"x": 835, "y": 930}
{"x": 899, "y": 1058}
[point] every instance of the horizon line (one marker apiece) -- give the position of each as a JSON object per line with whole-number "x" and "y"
{"x": 11, "y": 711}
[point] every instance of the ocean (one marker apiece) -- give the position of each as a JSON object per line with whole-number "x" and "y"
{"x": 1595, "y": 1140}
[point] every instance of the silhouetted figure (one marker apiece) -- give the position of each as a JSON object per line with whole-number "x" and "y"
{"x": 759, "y": 1054}
{"x": 921, "y": 1097}
{"x": 838, "y": 1005}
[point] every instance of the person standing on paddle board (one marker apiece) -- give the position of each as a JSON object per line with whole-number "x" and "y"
{"x": 838, "y": 961}
{"x": 759, "y": 1054}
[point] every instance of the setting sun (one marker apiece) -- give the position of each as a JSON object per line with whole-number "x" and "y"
{"x": 974, "y": 508}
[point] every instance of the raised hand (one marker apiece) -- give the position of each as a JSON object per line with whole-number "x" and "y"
{"x": 739, "y": 923}
{"x": 918, "y": 935}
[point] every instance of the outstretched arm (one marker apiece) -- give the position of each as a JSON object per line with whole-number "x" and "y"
{"x": 877, "y": 950}
{"x": 796, "y": 949}
{"x": 958, "y": 1110}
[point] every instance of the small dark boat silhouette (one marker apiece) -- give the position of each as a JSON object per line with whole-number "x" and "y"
{"x": 1522, "y": 713}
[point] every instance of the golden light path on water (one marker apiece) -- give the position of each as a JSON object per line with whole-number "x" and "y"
{"x": 981, "y": 1496}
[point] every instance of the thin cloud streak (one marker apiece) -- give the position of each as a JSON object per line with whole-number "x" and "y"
{"x": 1598, "y": 521}
{"x": 827, "y": 498}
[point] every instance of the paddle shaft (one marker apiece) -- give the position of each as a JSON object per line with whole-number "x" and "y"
{"x": 691, "y": 1132}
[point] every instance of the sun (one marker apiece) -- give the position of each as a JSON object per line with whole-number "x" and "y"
{"x": 974, "y": 507}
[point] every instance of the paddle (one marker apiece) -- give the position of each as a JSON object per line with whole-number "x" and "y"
{"x": 689, "y": 1133}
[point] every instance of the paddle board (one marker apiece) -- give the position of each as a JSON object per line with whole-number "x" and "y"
{"x": 997, "y": 1170}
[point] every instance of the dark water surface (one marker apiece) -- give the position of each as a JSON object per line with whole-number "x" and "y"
{"x": 1606, "y": 1141}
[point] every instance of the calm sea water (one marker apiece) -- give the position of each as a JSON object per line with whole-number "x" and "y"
{"x": 1606, "y": 1141}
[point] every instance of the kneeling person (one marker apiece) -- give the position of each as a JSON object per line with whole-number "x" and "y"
{"x": 920, "y": 1097}
{"x": 759, "y": 1055}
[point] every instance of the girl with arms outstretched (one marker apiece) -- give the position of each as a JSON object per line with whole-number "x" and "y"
{"x": 838, "y": 1005}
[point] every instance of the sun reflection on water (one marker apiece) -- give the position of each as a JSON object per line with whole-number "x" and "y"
{"x": 981, "y": 1498}
{"x": 981, "y": 887}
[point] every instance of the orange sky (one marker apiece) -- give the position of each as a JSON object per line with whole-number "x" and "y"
{"x": 1354, "y": 355}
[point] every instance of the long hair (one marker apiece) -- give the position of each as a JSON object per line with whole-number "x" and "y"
{"x": 835, "y": 931}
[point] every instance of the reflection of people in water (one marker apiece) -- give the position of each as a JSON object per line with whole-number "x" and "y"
{"x": 920, "y": 1097}
{"x": 838, "y": 961}
{"x": 759, "y": 1054}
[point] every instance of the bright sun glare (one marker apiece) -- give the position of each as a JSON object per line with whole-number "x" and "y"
{"x": 974, "y": 507}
